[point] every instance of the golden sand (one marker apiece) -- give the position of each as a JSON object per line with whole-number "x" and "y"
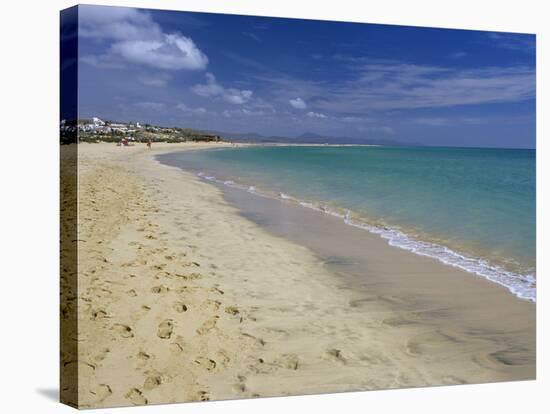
{"x": 181, "y": 299}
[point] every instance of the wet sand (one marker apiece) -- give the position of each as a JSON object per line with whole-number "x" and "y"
{"x": 442, "y": 303}
{"x": 184, "y": 297}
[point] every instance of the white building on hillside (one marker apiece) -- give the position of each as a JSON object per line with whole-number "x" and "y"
{"x": 97, "y": 122}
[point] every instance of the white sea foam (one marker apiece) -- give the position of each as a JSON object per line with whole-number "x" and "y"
{"x": 523, "y": 286}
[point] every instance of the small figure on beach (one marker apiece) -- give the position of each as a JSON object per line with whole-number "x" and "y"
{"x": 149, "y": 144}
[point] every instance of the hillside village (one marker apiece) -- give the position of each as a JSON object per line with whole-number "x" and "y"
{"x": 98, "y": 130}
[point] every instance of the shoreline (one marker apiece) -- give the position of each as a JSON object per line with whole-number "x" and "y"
{"x": 521, "y": 285}
{"x": 179, "y": 291}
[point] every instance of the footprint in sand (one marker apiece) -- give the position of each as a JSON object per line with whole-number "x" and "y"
{"x": 240, "y": 386}
{"x": 98, "y": 314}
{"x": 177, "y": 346}
{"x": 132, "y": 293}
{"x": 209, "y": 303}
{"x": 223, "y": 358}
{"x": 258, "y": 340}
{"x": 144, "y": 356}
{"x": 192, "y": 276}
{"x": 206, "y": 363}
{"x": 217, "y": 290}
{"x": 165, "y": 329}
{"x": 83, "y": 367}
{"x": 101, "y": 392}
{"x": 288, "y": 361}
{"x": 124, "y": 330}
{"x": 203, "y": 396}
{"x": 159, "y": 289}
{"x": 207, "y": 326}
{"x": 180, "y": 307}
{"x": 232, "y": 310}
{"x": 335, "y": 355}
{"x": 136, "y": 397}
{"x": 102, "y": 354}
{"x": 152, "y": 381}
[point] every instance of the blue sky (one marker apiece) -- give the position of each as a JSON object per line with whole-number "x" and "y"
{"x": 287, "y": 77}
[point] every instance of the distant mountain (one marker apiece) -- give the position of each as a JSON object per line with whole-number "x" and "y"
{"x": 310, "y": 136}
{"x": 305, "y": 138}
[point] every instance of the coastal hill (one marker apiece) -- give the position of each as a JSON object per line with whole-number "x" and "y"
{"x": 97, "y": 130}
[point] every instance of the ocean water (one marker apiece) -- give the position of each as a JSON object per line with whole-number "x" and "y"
{"x": 470, "y": 208}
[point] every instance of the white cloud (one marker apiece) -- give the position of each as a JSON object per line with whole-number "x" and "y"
{"x": 436, "y": 122}
{"x": 525, "y": 43}
{"x": 136, "y": 38}
{"x": 214, "y": 89}
{"x": 101, "y": 62}
{"x": 159, "y": 80}
{"x": 171, "y": 52}
{"x": 243, "y": 113}
{"x": 210, "y": 88}
{"x": 247, "y": 112}
{"x": 403, "y": 86}
{"x": 396, "y": 86}
{"x": 236, "y": 96}
{"x": 316, "y": 115}
{"x": 297, "y": 103}
{"x": 116, "y": 23}
{"x": 352, "y": 119}
{"x": 191, "y": 111}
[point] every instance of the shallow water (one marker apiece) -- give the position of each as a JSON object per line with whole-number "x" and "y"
{"x": 471, "y": 208}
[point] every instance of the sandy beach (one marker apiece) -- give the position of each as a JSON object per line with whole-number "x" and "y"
{"x": 182, "y": 298}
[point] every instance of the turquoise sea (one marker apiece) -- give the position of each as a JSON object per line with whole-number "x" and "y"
{"x": 468, "y": 207}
